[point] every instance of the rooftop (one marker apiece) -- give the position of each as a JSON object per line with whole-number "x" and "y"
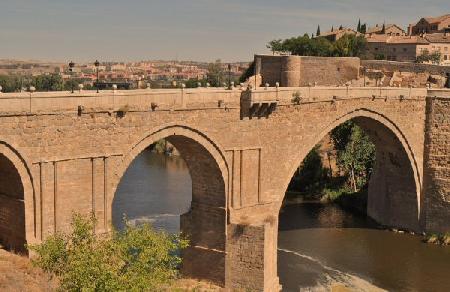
{"x": 437, "y": 19}
{"x": 397, "y": 39}
{"x": 378, "y": 28}
{"x": 438, "y": 38}
{"x": 338, "y": 31}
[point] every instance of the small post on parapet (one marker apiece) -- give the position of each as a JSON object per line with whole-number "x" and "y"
{"x": 183, "y": 86}
{"x": 31, "y": 90}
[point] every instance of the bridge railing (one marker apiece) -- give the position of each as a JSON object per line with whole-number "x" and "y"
{"x": 165, "y": 99}
{"x": 445, "y": 92}
{"x": 174, "y": 99}
{"x": 312, "y": 94}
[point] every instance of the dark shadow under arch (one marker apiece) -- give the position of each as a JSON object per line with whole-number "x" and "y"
{"x": 12, "y": 207}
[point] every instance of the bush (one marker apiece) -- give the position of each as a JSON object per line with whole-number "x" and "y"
{"x": 135, "y": 259}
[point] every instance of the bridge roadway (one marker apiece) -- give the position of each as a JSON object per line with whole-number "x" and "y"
{"x": 63, "y": 152}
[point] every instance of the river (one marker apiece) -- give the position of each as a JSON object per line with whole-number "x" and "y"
{"x": 320, "y": 246}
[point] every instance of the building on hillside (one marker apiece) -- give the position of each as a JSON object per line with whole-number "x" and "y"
{"x": 440, "y": 42}
{"x": 389, "y": 29}
{"x": 427, "y": 25}
{"x": 338, "y": 33}
{"x": 396, "y": 48}
{"x": 408, "y": 48}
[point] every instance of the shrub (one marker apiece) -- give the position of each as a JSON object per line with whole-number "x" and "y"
{"x": 135, "y": 259}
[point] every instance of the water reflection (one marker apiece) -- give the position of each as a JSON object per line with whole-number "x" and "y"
{"x": 155, "y": 188}
{"x": 322, "y": 244}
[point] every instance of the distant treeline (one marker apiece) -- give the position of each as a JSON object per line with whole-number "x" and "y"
{"x": 45, "y": 82}
{"x": 348, "y": 45}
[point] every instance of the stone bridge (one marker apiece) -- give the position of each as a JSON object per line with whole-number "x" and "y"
{"x": 62, "y": 152}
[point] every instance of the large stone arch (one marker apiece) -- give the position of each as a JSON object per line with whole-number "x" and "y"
{"x": 205, "y": 222}
{"x": 19, "y": 204}
{"x": 393, "y": 150}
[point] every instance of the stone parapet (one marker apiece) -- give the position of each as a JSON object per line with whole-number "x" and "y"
{"x": 125, "y": 100}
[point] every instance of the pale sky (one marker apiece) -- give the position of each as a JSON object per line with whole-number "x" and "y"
{"x": 203, "y": 30}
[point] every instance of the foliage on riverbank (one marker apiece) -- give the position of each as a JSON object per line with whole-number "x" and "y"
{"x": 355, "y": 157}
{"x": 135, "y": 259}
{"x": 354, "y": 201}
{"x": 441, "y": 239}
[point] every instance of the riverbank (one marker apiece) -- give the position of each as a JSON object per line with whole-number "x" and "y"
{"x": 17, "y": 274}
{"x": 440, "y": 239}
{"x": 352, "y": 202}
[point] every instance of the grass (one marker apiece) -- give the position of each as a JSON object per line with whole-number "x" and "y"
{"x": 17, "y": 274}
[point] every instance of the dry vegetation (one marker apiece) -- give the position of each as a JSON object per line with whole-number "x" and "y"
{"x": 17, "y": 275}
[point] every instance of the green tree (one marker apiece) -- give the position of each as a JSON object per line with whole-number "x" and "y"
{"x": 276, "y": 46}
{"x": 194, "y": 82}
{"x": 347, "y": 46}
{"x": 356, "y": 153}
{"x": 435, "y": 57}
{"x": 311, "y": 175}
{"x": 380, "y": 56}
{"x": 350, "y": 46}
{"x": 318, "y": 31}
{"x": 50, "y": 82}
{"x": 215, "y": 75}
{"x": 383, "y": 29}
{"x": 10, "y": 83}
{"x": 363, "y": 28}
{"x": 135, "y": 259}
{"x": 358, "y": 29}
{"x": 426, "y": 57}
{"x": 71, "y": 83}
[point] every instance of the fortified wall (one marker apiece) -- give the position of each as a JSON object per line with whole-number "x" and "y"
{"x": 299, "y": 71}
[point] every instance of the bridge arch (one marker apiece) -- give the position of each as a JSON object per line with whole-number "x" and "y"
{"x": 17, "y": 195}
{"x": 205, "y": 222}
{"x": 396, "y": 171}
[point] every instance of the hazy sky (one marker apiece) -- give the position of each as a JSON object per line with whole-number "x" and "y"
{"x": 85, "y": 30}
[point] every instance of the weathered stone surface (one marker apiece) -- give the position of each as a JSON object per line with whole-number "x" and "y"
{"x": 240, "y": 167}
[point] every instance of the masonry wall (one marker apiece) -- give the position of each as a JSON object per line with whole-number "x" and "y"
{"x": 437, "y": 165}
{"x": 405, "y": 67}
{"x": 74, "y": 157}
{"x": 294, "y": 71}
{"x": 332, "y": 72}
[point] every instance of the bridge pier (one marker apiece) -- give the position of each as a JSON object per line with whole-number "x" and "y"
{"x": 437, "y": 165}
{"x": 394, "y": 193}
{"x": 205, "y": 257}
{"x": 252, "y": 257}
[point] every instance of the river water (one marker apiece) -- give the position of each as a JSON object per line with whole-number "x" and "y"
{"x": 320, "y": 246}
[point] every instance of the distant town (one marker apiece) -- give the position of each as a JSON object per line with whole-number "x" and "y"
{"x": 425, "y": 41}
{"x": 128, "y": 75}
